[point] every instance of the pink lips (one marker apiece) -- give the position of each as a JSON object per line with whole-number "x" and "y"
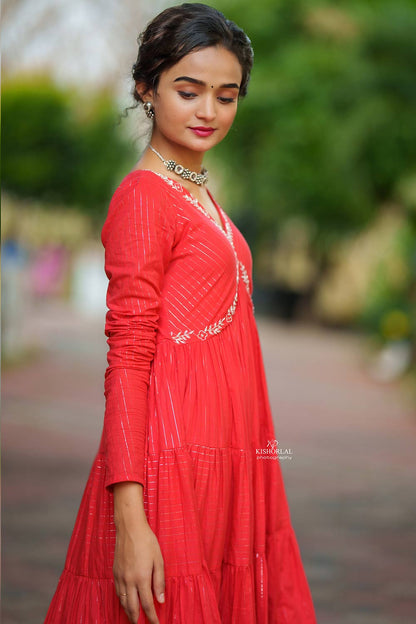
{"x": 202, "y": 131}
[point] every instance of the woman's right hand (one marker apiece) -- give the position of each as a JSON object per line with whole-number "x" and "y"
{"x": 137, "y": 561}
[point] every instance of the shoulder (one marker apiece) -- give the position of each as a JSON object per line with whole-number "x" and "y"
{"x": 141, "y": 195}
{"x": 141, "y": 183}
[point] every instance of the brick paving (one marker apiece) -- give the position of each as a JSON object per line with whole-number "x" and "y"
{"x": 350, "y": 482}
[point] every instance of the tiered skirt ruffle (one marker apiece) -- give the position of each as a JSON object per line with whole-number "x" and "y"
{"x": 220, "y": 515}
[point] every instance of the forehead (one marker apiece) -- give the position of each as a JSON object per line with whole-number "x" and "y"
{"x": 211, "y": 65}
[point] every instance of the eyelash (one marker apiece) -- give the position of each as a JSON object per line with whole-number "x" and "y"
{"x": 189, "y": 96}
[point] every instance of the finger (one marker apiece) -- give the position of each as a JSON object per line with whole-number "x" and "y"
{"x": 130, "y": 603}
{"x": 148, "y": 606}
{"x": 159, "y": 580}
{"x": 118, "y": 585}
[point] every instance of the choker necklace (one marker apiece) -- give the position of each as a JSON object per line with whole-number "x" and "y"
{"x": 186, "y": 174}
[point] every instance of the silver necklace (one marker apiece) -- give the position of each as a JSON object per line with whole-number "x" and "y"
{"x": 186, "y": 174}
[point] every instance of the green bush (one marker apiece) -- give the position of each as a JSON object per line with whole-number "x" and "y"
{"x": 61, "y": 147}
{"x": 328, "y": 128}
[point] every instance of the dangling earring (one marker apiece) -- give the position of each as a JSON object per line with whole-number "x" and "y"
{"x": 148, "y": 109}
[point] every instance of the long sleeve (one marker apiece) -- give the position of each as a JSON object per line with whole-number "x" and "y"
{"x": 137, "y": 237}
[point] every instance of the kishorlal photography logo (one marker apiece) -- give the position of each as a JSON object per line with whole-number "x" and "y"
{"x": 273, "y": 451}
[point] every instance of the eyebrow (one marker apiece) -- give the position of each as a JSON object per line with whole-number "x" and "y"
{"x": 231, "y": 85}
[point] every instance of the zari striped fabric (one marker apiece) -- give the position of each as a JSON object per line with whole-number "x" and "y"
{"x": 186, "y": 409}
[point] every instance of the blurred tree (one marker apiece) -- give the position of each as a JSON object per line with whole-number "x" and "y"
{"x": 60, "y": 147}
{"x": 328, "y": 128}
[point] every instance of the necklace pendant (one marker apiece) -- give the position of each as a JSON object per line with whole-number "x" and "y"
{"x": 170, "y": 165}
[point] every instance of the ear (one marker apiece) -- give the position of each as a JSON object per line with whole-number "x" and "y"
{"x": 144, "y": 92}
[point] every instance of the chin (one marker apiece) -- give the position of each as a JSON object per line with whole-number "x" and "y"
{"x": 199, "y": 146}
{"x": 203, "y": 145}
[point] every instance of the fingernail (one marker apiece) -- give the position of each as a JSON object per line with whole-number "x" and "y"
{"x": 161, "y": 597}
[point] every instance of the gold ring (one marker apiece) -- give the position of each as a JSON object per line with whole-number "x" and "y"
{"x": 123, "y": 594}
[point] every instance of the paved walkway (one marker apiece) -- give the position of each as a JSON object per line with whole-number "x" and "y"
{"x": 350, "y": 481}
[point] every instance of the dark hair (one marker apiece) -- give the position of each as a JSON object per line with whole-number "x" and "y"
{"x": 182, "y": 29}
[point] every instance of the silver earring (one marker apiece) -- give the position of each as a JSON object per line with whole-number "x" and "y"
{"x": 148, "y": 109}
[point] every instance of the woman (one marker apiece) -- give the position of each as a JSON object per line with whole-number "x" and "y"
{"x": 180, "y": 521}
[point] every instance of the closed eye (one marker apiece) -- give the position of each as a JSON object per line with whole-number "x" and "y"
{"x": 187, "y": 95}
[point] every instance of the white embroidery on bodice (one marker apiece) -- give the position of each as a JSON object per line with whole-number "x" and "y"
{"x": 214, "y": 328}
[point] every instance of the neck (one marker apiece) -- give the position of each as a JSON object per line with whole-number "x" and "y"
{"x": 188, "y": 158}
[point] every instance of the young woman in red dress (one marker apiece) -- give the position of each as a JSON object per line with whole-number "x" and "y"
{"x": 184, "y": 518}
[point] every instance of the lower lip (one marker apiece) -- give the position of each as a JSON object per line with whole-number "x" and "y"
{"x": 202, "y": 133}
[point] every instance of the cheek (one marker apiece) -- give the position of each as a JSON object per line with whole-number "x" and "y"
{"x": 228, "y": 116}
{"x": 171, "y": 108}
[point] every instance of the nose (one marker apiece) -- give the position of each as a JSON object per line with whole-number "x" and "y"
{"x": 207, "y": 108}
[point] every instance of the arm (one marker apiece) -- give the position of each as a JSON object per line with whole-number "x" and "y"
{"x": 138, "y": 240}
{"x": 137, "y": 237}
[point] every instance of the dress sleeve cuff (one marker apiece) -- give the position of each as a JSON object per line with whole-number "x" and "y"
{"x": 113, "y": 478}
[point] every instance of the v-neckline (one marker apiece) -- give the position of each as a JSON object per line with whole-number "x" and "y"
{"x": 223, "y": 227}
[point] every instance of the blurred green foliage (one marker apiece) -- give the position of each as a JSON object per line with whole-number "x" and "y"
{"x": 325, "y": 139}
{"x": 61, "y": 147}
{"x": 390, "y": 305}
{"x": 328, "y": 129}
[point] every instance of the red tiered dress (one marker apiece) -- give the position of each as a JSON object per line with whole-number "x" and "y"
{"x": 186, "y": 408}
